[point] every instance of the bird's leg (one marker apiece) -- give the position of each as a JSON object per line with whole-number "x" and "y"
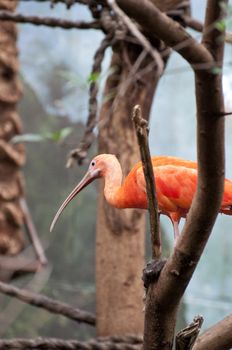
{"x": 175, "y": 219}
{"x": 152, "y": 271}
{"x": 176, "y": 230}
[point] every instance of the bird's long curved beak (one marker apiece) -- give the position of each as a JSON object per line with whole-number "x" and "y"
{"x": 89, "y": 177}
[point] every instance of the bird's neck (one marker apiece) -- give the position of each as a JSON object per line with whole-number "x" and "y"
{"x": 113, "y": 182}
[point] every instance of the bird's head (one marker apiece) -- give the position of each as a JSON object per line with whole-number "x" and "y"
{"x": 97, "y": 168}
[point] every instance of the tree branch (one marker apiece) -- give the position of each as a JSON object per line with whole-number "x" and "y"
{"x": 216, "y": 337}
{"x": 48, "y": 21}
{"x": 138, "y": 34}
{"x": 198, "y": 26}
{"x": 179, "y": 268}
{"x": 33, "y": 235}
{"x": 141, "y": 127}
{"x": 48, "y": 304}
{"x": 173, "y": 34}
{"x": 54, "y": 344}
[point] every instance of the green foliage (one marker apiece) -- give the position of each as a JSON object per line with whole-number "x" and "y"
{"x": 221, "y": 25}
{"x": 93, "y": 77}
{"x": 216, "y": 70}
{"x": 226, "y": 22}
{"x": 56, "y": 136}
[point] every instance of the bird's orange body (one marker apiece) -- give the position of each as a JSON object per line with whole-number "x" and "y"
{"x": 175, "y": 178}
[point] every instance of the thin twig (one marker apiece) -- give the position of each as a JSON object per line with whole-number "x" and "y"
{"x": 138, "y": 34}
{"x": 33, "y": 235}
{"x": 51, "y": 305}
{"x": 80, "y": 153}
{"x": 48, "y": 21}
{"x": 141, "y": 128}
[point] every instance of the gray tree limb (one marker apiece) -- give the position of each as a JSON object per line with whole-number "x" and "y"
{"x": 50, "y": 305}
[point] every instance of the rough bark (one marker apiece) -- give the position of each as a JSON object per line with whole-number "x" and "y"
{"x": 11, "y": 156}
{"x": 166, "y": 5}
{"x": 160, "y": 316}
{"x": 120, "y": 234}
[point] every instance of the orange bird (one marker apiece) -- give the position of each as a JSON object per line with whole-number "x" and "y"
{"x": 175, "y": 178}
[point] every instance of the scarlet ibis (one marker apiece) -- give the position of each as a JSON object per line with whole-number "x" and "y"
{"x": 175, "y": 178}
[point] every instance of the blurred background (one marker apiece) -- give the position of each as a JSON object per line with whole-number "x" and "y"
{"x": 55, "y": 66}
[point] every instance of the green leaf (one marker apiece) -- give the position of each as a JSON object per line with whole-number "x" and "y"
{"x": 216, "y": 70}
{"x": 93, "y": 77}
{"x": 27, "y": 138}
{"x": 59, "y": 135}
{"x": 221, "y": 25}
{"x": 55, "y": 136}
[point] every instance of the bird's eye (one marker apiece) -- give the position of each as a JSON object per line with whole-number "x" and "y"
{"x": 93, "y": 163}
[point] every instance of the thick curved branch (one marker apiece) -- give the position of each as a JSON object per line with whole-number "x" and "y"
{"x": 210, "y": 148}
{"x": 173, "y": 34}
{"x": 216, "y": 337}
{"x": 179, "y": 268}
{"x": 138, "y": 34}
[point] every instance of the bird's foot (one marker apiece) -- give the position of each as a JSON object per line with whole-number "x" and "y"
{"x": 152, "y": 271}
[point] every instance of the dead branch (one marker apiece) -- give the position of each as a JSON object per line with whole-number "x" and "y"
{"x": 48, "y": 21}
{"x": 80, "y": 153}
{"x": 50, "y": 305}
{"x": 185, "y": 339}
{"x": 53, "y": 343}
{"x": 216, "y": 337}
{"x": 141, "y": 127}
{"x": 138, "y": 34}
{"x": 33, "y": 233}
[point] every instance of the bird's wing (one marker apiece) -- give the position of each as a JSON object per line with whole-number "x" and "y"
{"x": 175, "y": 186}
{"x": 168, "y": 160}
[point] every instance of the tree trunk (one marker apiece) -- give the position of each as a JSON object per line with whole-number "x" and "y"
{"x": 11, "y": 156}
{"x": 120, "y": 233}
